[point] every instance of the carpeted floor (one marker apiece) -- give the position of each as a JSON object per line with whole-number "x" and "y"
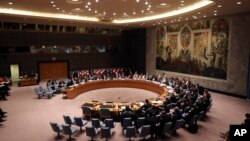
{"x": 28, "y": 117}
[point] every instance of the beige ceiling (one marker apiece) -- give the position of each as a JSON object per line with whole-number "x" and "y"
{"x": 108, "y": 10}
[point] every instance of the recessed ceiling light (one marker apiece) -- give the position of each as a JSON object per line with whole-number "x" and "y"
{"x": 215, "y": 14}
{"x": 10, "y": 3}
{"x": 63, "y": 11}
{"x": 182, "y": 1}
{"x": 114, "y": 14}
{"x": 57, "y": 8}
{"x": 86, "y": 6}
{"x": 89, "y": 3}
{"x": 52, "y": 2}
{"x": 204, "y": 16}
{"x": 239, "y": 2}
{"x": 146, "y": 2}
{"x": 54, "y": 5}
{"x": 149, "y": 6}
{"x": 104, "y": 13}
{"x": 137, "y": 0}
{"x": 219, "y": 6}
{"x": 134, "y": 12}
{"x": 142, "y": 11}
{"x": 95, "y": 11}
{"x": 89, "y": 9}
{"x": 77, "y": 9}
{"x": 163, "y": 4}
{"x": 75, "y": 0}
{"x": 96, "y": 0}
{"x": 199, "y": 13}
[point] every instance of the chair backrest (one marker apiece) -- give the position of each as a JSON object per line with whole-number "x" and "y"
{"x": 178, "y": 124}
{"x": 130, "y": 131}
{"x": 67, "y": 130}
{"x": 37, "y": 91}
{"x": 104, "y": 112}
{"x": 91, "y": 131}
{"x": 140, "y": 122}
{"x": 96, "y": 122}
{"x": 127, "y": 122}
{"x": 109, "y": 123}
{"x": 78, "y": 121}
{"x": 41, "y": 89}
{"x": 105, "y": 132}
{"x": 67, "y": 120}
{"x": 145, "y": 130}
{"x": 55, "y": 127}
{"x": 167, "y": 127}
{"x": 86, "y": 111}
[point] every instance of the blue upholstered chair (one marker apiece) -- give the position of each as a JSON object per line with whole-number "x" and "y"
{"x": 166, "y": 127}
{"x": 86, "y": 112}
{"x": 80, "y": 122}
{"x": 68, "y": 130}
{"x": 127, "y": 122}
{"x": 56, "y": 128}
{"x": 106, "y": 132}
{"x": 91, "y": 132}
{"x": 38, "y": 93}
{"x": 109, "y": 123}
{"x": 144, "y": 130}
{"x": 96, "y": 123}
{"x": 140, "y": 122}
{"x": 129, "y": 132}
{"x": 68, "y": 120}
{"x": 104, "y": 113}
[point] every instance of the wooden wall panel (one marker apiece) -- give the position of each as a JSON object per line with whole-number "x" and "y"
{"x": 53, "y": 70}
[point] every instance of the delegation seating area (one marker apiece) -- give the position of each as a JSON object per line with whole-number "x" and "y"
{"x": 184, "y": 105}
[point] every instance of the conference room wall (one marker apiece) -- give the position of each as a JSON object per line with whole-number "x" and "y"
{"x": 77, "y": 61}
{"x": 236, "y": 82}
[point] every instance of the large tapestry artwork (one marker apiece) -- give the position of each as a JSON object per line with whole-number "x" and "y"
{"x": 197, "y": 48}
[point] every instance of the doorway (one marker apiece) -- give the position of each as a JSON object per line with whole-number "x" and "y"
{"x": 14, "y": 72}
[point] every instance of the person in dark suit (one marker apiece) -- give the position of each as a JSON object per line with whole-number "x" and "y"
{"x": 152, "y": 121}
{"x": 127, "y": 113}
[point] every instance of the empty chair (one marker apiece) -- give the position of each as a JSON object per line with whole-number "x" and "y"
{"x": 126, "y": 122}
{"x": 38, "y": 93}
{"x": 144, "y": 130}
{"x": 68, "y": 120}
{"x": 109, "y": 123}
{"x": 79, "y": 122}
{"x": 68, "y": 130}
{"x": 96, "y": 123}
{"x": 166, "y": 128}
{"x": 91, "y": 132}
{"x": 48, "y": 93}
{"x": 104, "y": 113}
{"x": 129, "y": 132}
{"x": 86, "y": 112}
{"x": 140, "y": 122}
{"x": 56, "y": 128}
{"x": 41, "y": 89}
{"x": 106, "y": 132}
{"x": 177, "y": 125}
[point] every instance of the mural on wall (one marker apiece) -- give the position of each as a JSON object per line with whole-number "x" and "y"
{"x": 194, "y": 48}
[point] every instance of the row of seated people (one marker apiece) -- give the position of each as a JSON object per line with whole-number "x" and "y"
{"x": 189, "y": 102}
{"x": 4, "y": 88}
{"x": 2, "y": 116}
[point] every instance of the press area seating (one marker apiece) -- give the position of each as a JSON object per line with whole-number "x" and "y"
{"x": 67, "y": 127}
{"x": 48, "y": 92}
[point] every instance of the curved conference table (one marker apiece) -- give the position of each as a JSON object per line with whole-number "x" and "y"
{"x": 128, "y": 83}
{"x": 117, "y": 107}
